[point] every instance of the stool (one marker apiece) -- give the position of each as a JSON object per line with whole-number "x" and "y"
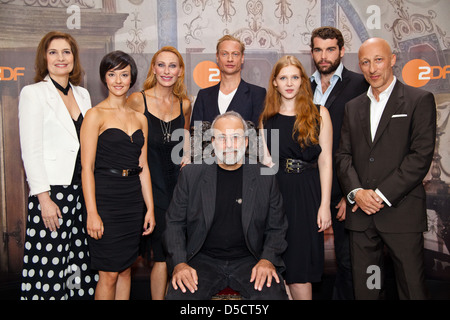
{"x": 227, "y": 294}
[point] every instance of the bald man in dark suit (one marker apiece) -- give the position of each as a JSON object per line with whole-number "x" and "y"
{"x": 386, "y": 148}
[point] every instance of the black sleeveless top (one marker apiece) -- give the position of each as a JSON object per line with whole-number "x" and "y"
{"x": 163, "y": 170}
{"x": 288, "y": 146}
{"x": 76, "y": 178}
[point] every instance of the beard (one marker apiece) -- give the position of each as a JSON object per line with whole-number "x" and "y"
{"x": 230, "y": 157}
{"x": 330, "y": 69}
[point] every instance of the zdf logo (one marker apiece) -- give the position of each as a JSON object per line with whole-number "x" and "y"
{"x": 418, "y": 72}
{"x": 10, "y": 74}
{"x": 206, "y": 74}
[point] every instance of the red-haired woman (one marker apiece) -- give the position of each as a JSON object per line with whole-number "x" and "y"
{"x": 304, "y": 172}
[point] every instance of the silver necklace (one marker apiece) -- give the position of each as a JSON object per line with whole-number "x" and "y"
{"x": 165, "y": 127}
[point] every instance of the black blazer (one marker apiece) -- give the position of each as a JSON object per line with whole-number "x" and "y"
{"x": 248, "y": 102}
{"x": 352, "y": 85}
{"x": 396, "y": 162}
{"x": 192, "y": 209}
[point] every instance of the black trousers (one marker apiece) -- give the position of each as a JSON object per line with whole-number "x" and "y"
{"x": 406, "y": 252}
{"x": 215, "y": 275}
{"x": 343, "y": 285}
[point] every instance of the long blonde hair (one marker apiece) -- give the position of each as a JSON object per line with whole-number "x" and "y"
{"x": 307, "y": 115}
{"x": 179, "y": 88}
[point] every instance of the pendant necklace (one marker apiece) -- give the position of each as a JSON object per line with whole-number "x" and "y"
{"x": 165, "y": 127}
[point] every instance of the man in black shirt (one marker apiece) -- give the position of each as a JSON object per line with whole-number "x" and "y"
{"x": 226, "y": 225}
{"x": 220, "y": 242}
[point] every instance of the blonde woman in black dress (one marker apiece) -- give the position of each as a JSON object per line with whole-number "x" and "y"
{"x": 165, "y": 103}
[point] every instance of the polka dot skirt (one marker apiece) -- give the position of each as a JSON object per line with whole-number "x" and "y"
{"x": 57, "y": 264}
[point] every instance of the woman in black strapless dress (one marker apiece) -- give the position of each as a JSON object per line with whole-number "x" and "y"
{"x": 115, "y": 172}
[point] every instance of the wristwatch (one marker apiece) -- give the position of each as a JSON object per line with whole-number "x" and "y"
{"x": 352, "y": 194}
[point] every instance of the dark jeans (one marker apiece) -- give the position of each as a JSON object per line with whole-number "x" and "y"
{"x": 215, "y": 275}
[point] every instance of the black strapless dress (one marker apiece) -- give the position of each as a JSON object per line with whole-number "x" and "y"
{"x": 120, "y": 203}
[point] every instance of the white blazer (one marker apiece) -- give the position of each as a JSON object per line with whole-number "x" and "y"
{"x": 48, "y": 139}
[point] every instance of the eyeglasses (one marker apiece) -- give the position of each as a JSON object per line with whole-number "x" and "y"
{"x": 235, "y": 138}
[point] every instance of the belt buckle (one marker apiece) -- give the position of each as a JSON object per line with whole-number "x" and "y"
{"x": 125, "y": 172}
{"x": 287, "y": 168}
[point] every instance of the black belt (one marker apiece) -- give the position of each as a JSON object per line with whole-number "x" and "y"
{"x": 296, "y": 166}
{"x": 123, "y": 173}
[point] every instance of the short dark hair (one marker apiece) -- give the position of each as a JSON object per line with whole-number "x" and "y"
{"x": 327, "y": 33}
{"x": 118, "y": 60}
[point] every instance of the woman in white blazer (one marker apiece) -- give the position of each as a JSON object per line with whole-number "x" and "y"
{"x": 56, "y": 257}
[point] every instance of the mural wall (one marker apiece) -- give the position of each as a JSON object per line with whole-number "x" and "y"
{"x": 418, "y": 31}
